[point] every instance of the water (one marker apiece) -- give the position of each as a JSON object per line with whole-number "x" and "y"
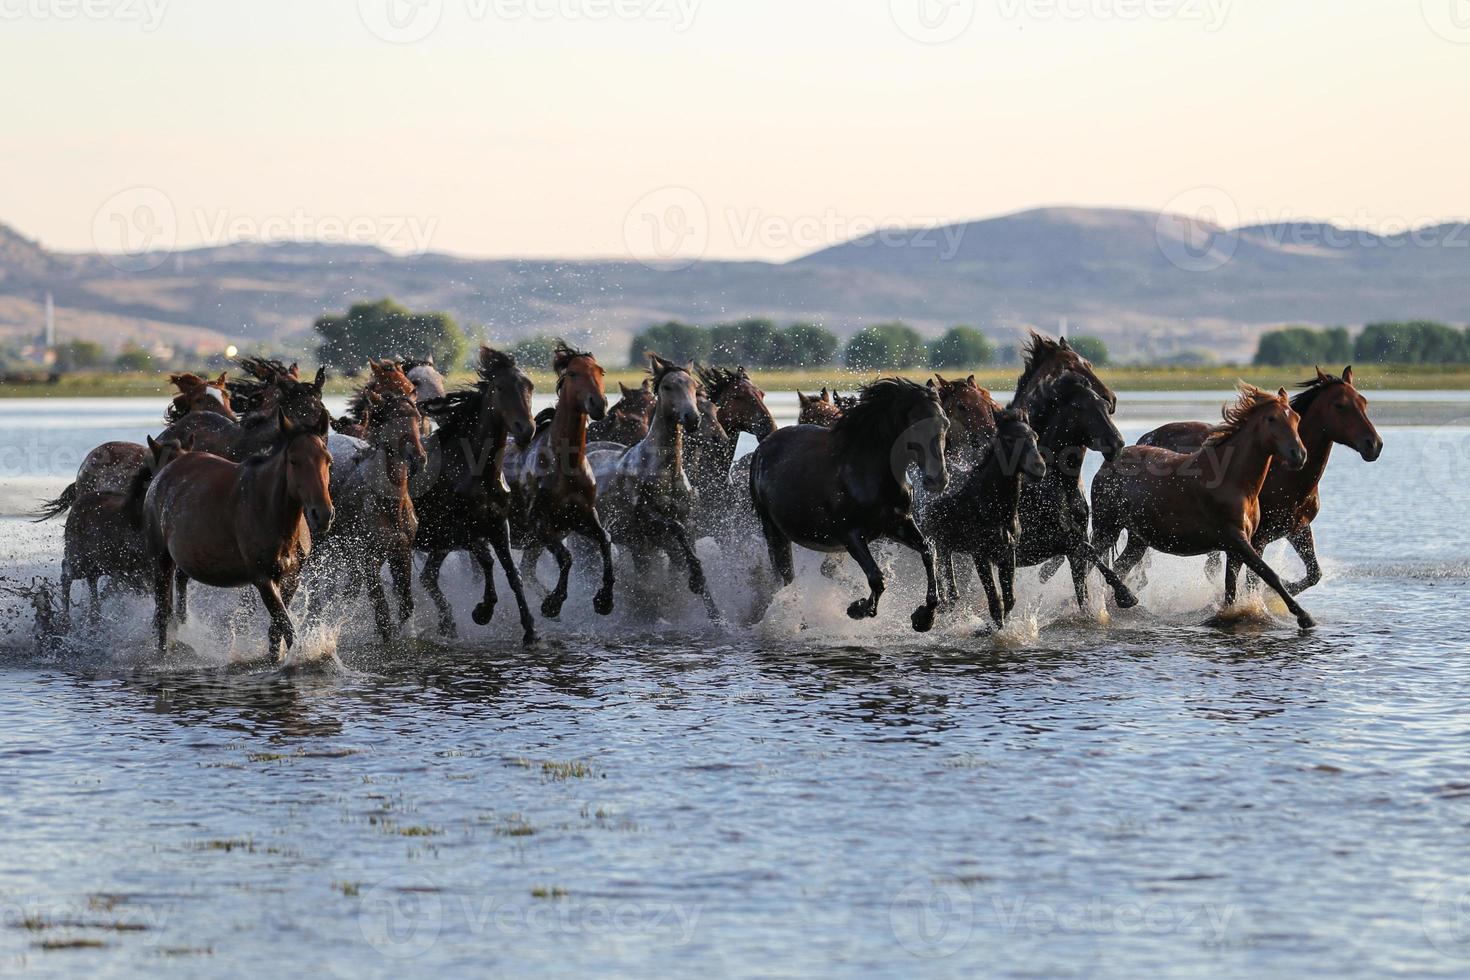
{"x": 1102, "y": 795}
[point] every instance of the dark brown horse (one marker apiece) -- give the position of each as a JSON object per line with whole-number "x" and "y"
{"x": 387, "y": 381}
{"x": 1209, "y": 500}
{"x": 724, "y": 508}
{"x": 971, "y": 413}
{"x": 1332, "y": 413}
{"x": 462, "y": 500}
{"x": 819, "y": 409}
{"x": 104, "y": 534}
{"x": 626, "y": 423}
{"x": 230, "y": 524}
{"x": 276, "y": 390}
{"x": 980, "y": 516}
{"x": 839, "y": 489}
{"x": 198, "y": 394}
{"x": 553, "y": 491}
{"x": 1046, "y": 359}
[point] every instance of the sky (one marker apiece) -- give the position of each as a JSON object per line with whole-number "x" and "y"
{"x": 685, "y": 129}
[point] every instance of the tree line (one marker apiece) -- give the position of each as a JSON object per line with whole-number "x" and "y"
{"x": 1396, "y": 342}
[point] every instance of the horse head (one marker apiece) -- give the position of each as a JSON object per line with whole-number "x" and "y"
{"x": 198, "y": 394}
{"x": 1341, "y": 412}
{"x": 1046, "y": 359}
{"x": 308, "y": 469}
{"x": 675, "y": 390}
{"x": 579, "y": 381}
{"x": 394, "y": 426}
{"x": 1069, "y": 413}
{"x": 1016, "y": 446}
{"x": 740, "y": 404}
{"x": 969, "y": 407}
{"x": 505, "y": 396}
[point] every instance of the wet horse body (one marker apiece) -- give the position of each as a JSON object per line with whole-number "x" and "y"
{"x": 840, "y": 489}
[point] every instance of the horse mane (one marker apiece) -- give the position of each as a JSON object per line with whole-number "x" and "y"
{"x": 414, "y": 363}
{"x": 176, "y": 410}
{"x": 1051, "y": 395}
{"x": 457, "y": 411}
{"x": 563, "y": 354}
{"x": 717, "y": 380}
{"x": 491, "y": 362}
{"x": 1237, "y": 415}
{"x": 1037, "y": 351}
{"x": 880, "y": 406}
{"x": 660, "y": 368}
{"x": 1302, "y": 400}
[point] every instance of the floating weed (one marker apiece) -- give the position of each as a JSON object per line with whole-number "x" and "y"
{"x": 274, "y": 756}
{"x": 548, "y": 892}
{"x": 562, "y": 771}
{"x": 34, "y": 922}
{"x": 515, "y": 826}
{"x": 349, "y": 889}
{"x": 186, "y": 951}
{"x": 54, "y": 944}
{"x": 227, "y": 844}
{"x": 419, "y": 831}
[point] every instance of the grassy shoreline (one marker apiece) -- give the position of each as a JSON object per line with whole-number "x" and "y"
{"x": 1369, "y": 377}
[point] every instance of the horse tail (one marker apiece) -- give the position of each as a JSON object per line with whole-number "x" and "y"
{"x": 59, "y": 506}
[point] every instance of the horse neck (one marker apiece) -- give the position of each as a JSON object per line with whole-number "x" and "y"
{"x": 264, "y": 491}
{"x": 1246, "y": 464}
{"x": 391, "y": 470}
{"x": 1318, "y": 443}
{"x": 495, "y": 434}
{"x": 137, "y": 491}
{"x": 568, "y": 433}
{"x": 666, "y": 436}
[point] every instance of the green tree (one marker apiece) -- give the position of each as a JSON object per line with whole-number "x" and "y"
{"x": 753, "y": 341}
{"x": 961, "y": 347}
{"x": 1289, "y": 347}
{"x": 535, "y": 351}
{"x": 805, "y": 345}
{"x": 133, "y": 359}
{"x": 679, "y": 342}
{"x": 1414, "y": 342}
{"x": 1091, "y": 348}
{"x": 79, "y": 355}
{"x": 386, "y": 329}
{"x": 886, "y": 345}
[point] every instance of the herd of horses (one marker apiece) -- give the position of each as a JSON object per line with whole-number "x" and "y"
{"x": 253, "y": 484}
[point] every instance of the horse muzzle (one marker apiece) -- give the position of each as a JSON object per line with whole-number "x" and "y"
{"x": 1370, "y": 448}
{"x": 936, "y": 482}
{"x": 522, "y": 433}
{"x": 596, "y": 409}
{"x": 691, "y": 423}
{"x": 319, "y": 518}
{"x": 1296, "y": 459}
{"x": 1034, "y": 470}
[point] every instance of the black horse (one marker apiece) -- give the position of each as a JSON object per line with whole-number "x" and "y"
{"x": 1069, "y": 417}
{"x": 461, "y": 497}
{"x": 981, "y": 516}
{"x": 841, "y": 488}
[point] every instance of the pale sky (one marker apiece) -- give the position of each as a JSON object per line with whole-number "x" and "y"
{"x": 757, "y": 129}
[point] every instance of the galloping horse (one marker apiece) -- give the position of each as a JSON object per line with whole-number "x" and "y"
{"x": 839, "y": 489}
{"x": 198, "y": 394}
{"x": 388, "y": 380}
{"x": 376, "y": 522}
{"x": 1069, "y": 417}
{"x": 971, "y": 413}
{"x": 981, "y": 517}
{"x": 627, "y": 421}
{"x": 1209, "y": 500}
{"x": 1331, "y": 411}
{"x": 230, "y": 524}
{"x": 643, "y": 492}
{"x": 818, "y": 409}
{"x": 724, "y": 498}
{"x": 463, "y": 502}
{"x": 553, "y": 491}
{"x": 1046, "y": 359}
{"x": 280, "y": 391}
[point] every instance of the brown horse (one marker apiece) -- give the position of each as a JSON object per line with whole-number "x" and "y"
{"x": 232, "y": 524}
{"x": 387, "y": 381}
{"x": 198, "y": 394}
{"x": 553, "y": 491}
{"x": 626, "y": 423}
{"x": 739, "y": 402}
{"x": 819, "y": 409}
{"x": 971, "y": 413}
{"x": 1209, "y": 500}
{"x": 275, "y": 390}
{"x": 104, "y": 534}
{"x": 1332, "y": 412}
{"x": 1046, "y": 359}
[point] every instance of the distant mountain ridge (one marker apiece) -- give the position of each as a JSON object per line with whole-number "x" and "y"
{"x": 1152, "y": 286}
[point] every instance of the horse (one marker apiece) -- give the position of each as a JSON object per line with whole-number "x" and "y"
{"x": 626, "y": 423}
{"x": 387, "y": 379}
{"x": 971, "y": 413}
{"x": 643, "y": 493}
{"x": 229, "y": 524}
{"x": 198, "y": 394}
{"x": 1331, "y": 412}
{"x": 739, "y": 402}
{"x": 740, "y": 406}
{"x": 462, "y": 501}
{"x": 376, "y": 522}
{"x": 981, "y": 516}
{"x": 1045, "y": 359}
{"x": 1208, "y": 500}
{"x": 276, "y": 390}
{"x": 104, "y": 534}
{"x": 817, "y": 409}
{"x": 1069, "y": 417}
{"x": 552, "y": 488}
{"x": 839, "y": 489}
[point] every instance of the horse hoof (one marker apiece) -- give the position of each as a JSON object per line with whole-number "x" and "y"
{"x": 529, "y": 638}
{"x": 1126, "y": 599}
{"x": 603, "y": 603}
{"x": 923, "y": 619}
{"x": 1305, "y": 621}
{"x": 448, "y": 630}
{"x": 551, "y": 606}
{"x": 859, "y": 609}
{"x": 482, "y": 614}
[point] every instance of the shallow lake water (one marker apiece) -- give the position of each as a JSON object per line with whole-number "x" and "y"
{"x": 1103, "y": 794}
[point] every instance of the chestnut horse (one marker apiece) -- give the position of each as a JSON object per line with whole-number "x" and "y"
{"x": 198, "y": 394}
{"x": 553, "y": 491}
{"x": 1208, "y": 500}
{"x": 839, "y": 489}
{"x": 387, "y": 380}
{"x": 627, "y": 421}
{"x": 971, "y": 413}
{"x": 643, "y": 492}
{"x": 1332, "y": 412}
{"x": 818, "y": 409}
{"x": 230, "y": 524}
{"x": 462, "y": 501}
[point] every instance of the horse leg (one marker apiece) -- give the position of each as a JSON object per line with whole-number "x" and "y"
{"x": 94, "y": 605}
{"x": 531, "y": 554}
{"x": 858, "y": 548}
{"x": 163, "y": 598}
{"x": 368, "y": 571}
{"x": 1253, "y": 560}
{"x": 430, "y": 579}
{"x": 1078, "y": 567}
{"x": 603, "y": 601}
{"x": 400, "y": 566}
{"x": 951, "y": 594}
{"x": 778, "y": 546}
{"x": 1232, "y": 569}
{"x": 181, "y": 590}
{"x": 1306, "y": 548}
{"x": 484, "y": 611}
{"x": 982, "y": 571}
{"x": 551, "y": 605}
{"x": 65, "y": 595}
{"x": 500, "y": 541}
{"x": 1212, "y": 564}
{"x": 672, "y": 529}
{"x": 1007, "y": 566}
{"x": 1121, "y": 593}
{"x": 910, "y": 535}
{"x": 281, "y": 628}
{"x": 1050, "y": 567}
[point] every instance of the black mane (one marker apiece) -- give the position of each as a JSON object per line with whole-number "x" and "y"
{"x": 1302, "y": 400}
{"x": 882, "y": 406}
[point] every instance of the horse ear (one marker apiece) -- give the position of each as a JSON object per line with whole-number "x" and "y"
{"x": 624, "y": 389}
{"x": 374, "y": 398}
{"x": 294, "y": 370}
{"x": 1063, "y": 344}
{"x": 429, "y": 360}
{"x": 1281, "y": 395}
{"x": 971, "y": 382}
{"x": 221, "y": 379}
{"x": 321, "y": 379}
{"x": 1347, "y": 374}
{"x": 187, "y": 443}
{"x": 153, "y": 447}
{"x": 801, "y": 399}
{"x": 931, "y": 382}
{"x": 1321, "y": 375}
